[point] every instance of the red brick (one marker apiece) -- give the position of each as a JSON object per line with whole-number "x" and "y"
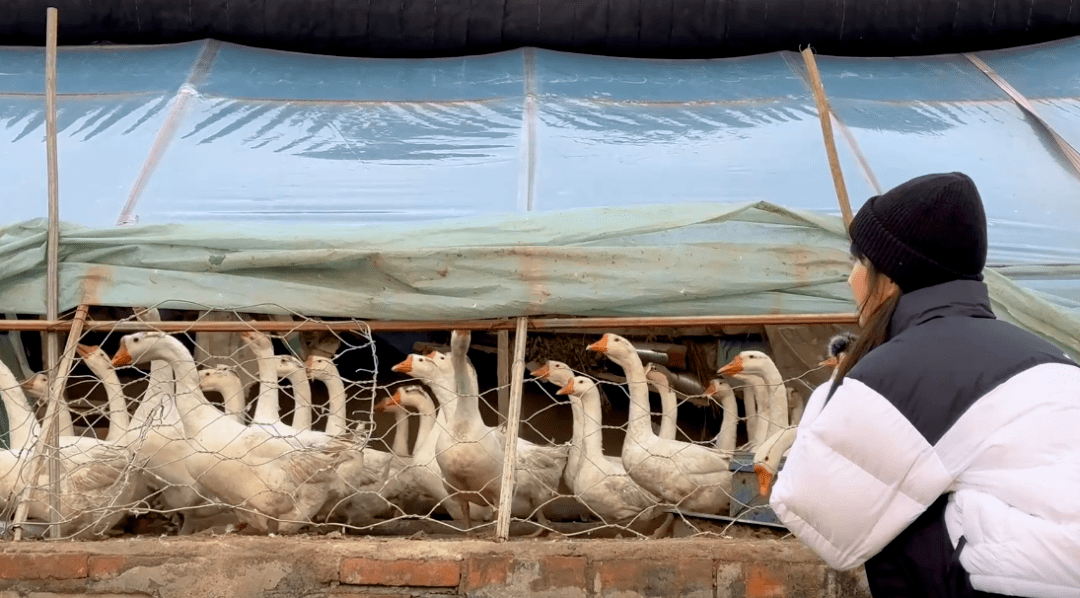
{"x": 412, "y": 572}
{"x": 656, "y": 577}
{"x": 560, "y": 572}
{"x": 763, "y": 583}
{"x": 485, "y": 571}
{"x": 43, "y": 566}
{"x": 110, "y": 566}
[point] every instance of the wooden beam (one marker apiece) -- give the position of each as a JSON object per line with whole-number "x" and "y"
{"x": 825, "y": 114}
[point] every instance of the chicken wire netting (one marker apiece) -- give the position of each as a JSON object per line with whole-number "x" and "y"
{"x": 300, "y": 428}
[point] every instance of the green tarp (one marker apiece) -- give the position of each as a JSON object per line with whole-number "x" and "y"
{"x": 688, "y": 259}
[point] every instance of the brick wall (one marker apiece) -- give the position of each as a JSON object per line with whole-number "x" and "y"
{"x": 374, "y": 568}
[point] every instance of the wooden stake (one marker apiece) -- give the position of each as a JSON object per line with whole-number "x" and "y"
{"x": 825, "y": 114}
{"x": 48, "y": 442}
{"x": 503, "y": 367}
{"x": 513, "y": 424}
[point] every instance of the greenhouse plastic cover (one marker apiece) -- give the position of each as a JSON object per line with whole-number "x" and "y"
{"x": 521, "y": 182}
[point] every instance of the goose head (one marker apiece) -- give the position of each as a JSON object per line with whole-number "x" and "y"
{"x": 94, "y": 358}
{"x": 718, "y": 386}
{"x": 147, "y": 314}
{"x": 750, "y": 362}
{"x": 36, "y": 386}
{"x": 839, "y": 345}
{"x": 259, "y": 343}
{"x": 142, "y": 347}
{"x": 577, "y": 386}
{"x": 767, "y": 457}
{"x": 390, "y": 403}
{"x": 321, "y": 368}
{"x": 219, "y": 378}
{"x": 656, "y": 377}
{"x": 288, "y": 365}
{"x": 615, "y": 348}
{"x": 425, "y": 367}
{"x": 553, "y": 371}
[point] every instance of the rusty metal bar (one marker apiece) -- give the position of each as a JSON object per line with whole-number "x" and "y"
{"x": 550, "y": 323}
{"x": 826, "y": 130}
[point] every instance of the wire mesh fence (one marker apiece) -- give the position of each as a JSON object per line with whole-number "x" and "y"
{"x": 302, "y": 429}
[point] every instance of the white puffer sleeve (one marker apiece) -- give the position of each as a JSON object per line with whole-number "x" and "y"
{"x": 858, "y": 474}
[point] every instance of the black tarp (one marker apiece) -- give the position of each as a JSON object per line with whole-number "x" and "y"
{"x": 642, "y": 28}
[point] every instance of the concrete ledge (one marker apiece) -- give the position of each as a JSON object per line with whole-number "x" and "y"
{"x": 320, "y": 567}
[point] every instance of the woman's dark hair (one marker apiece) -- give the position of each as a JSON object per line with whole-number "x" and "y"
{"x": 876, "y": 330}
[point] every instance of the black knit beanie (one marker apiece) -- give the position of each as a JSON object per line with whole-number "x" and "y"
{"x": 929, "y": 230}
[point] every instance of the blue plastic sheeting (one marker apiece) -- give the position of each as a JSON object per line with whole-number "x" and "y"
{"x": 206, "y": 131}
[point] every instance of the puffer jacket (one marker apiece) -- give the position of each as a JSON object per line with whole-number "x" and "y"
{"x": 947, "y": 461}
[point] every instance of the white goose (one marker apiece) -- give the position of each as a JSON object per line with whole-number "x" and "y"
{"x": 421, "y": 473}
{"x": 601, "y": 485}
{"x": 470, "y": 453}
{"x": 273, "y": 486}
{"x": 224, "y": 380}
{"x": 692, "y": 477}
{"x": 756, "y": 363}
{"x": 371, "y": 485}
{"x": 767, "y": 457}
{"x": 433, "y": 369}
{"x": 669, "y": 402}
{"x": 97, "y": 484}
{"x": 558, "y": 373}
{"x": 290, "y": 366}
{"x": 725, "y": 440}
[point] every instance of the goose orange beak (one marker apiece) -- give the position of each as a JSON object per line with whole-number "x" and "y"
{"x": 404, "y": 367}
{"x": 599, "y": 346}
{"x": 765, "y": 479}
{"x": 735, "y": 366}
{"x": 831, "y": 362}
{"x": 430, "y": 354}
{"x": 541, "y": 372}
{"x": 389, "y": 401}
{"x": 309, "y": 362}
{"x": 122, "y": 356}
{"x": 567, "y": 388}
{"x": 84, "y": 350}
{"x": 711, "y": 388}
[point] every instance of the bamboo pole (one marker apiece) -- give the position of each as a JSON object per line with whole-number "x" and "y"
{"x": 1070, "y": 153}
{"x": 503, "y": 373}
{"x": 513, "y": 423}
{"x": 825, "y": 114}
{"x": 52, "y": 279}
{"x": 550, "y": 323}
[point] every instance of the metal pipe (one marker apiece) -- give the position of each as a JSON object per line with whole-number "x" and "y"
{"x": 550, "y": 323}
{"x": 513, "y": 423}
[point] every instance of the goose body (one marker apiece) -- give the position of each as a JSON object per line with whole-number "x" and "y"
{"x": 98, "y": 483}
{"x": 601, "y": 485}
{"x": 690, "y": 476}
{"x": 774, "y": 410}
{"x": 470, "y": 453}
{"x": 273, "y": 486}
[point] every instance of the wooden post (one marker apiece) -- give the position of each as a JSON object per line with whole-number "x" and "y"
{"x": 825, "y": 114}
{"x": 503, "y": 371}
{"x": 52, "y": 280}
{"x": 48, "y": 443}
{"x": 513, "y": 424}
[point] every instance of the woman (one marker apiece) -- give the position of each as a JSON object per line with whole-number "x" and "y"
{"x": 945, "y": 454}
